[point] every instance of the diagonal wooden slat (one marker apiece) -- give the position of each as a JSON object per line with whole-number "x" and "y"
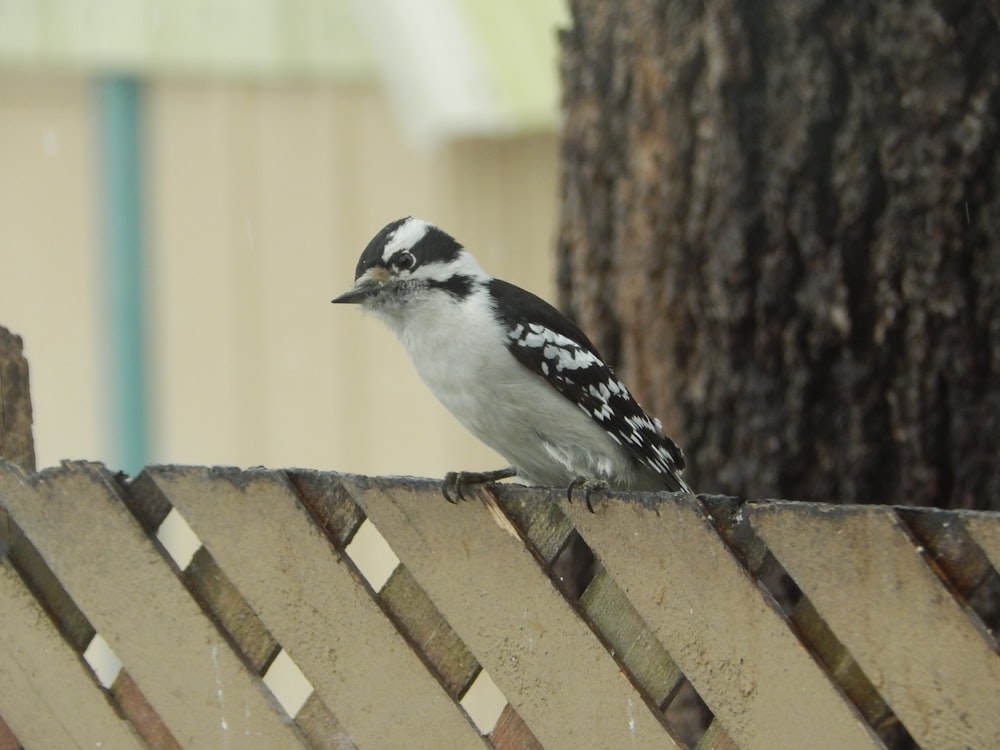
{"x": 614, "y": 616}
{"x": 416, "y": 616}
{"x": 8, "y": 740}
{"x": 985, "y": 529}
{"x": 110, "y": 568}
{"x": 112, "y": 571}
{"x": 728, "y": 638}
{"x": 46, "y": 693}
{"x": 545, "y": 659}
{"x": 134, "y": 706}
{"x": 308, "y": 598}
{"x": 333, "y": 510}
{"x": 934, "y": 665}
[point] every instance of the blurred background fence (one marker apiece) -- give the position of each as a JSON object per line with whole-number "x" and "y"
{"x": 184, "y": 186}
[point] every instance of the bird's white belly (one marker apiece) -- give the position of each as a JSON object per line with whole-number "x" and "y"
{"x": 549, "y": 440}
{"x": 466, "y": 365}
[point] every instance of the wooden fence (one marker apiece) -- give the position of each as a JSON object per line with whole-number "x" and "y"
{"x": 781, "y": 625}
{"x": 888, "y": 626}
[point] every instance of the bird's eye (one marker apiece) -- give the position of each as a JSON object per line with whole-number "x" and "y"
{"x": 405, "y": 261}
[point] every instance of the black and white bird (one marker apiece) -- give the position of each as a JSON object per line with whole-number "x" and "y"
{"x": 511, "y": 368}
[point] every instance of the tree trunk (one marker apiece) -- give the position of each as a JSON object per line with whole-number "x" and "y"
{"x": 782, "y": 222}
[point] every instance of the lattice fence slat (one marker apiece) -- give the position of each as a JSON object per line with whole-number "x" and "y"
{"x": 48, "y": 696}
{"x": 985, "y": 529}
{"x": 635, "y": 644}
{"x": 111, "y": 569}
{"x": 417, "y": 616}
{"x": 733, "y": 645}
{"x": 863, "y": 572}
{"x": 534, "y": 646}
{"x": 310, "y": 600}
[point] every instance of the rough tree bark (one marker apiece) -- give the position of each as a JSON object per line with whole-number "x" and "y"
{"x": 782, "y": 221}
{"x": 16, "y": 443}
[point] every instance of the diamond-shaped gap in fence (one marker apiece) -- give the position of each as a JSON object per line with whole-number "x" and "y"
{"x": 575, "y": 565}
{"x": 102, "y": 661}
{"x": 178, "y": 539}
{"x": 372, "y": 555}
{"x": 287, "y": 683}
{"x": 687, "y": 715}
{"x": 483, "y": 702}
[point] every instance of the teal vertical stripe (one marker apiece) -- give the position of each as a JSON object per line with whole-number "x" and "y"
{"x": 120, "y": 169}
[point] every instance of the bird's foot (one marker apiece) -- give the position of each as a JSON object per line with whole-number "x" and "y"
{"x": 589, "y": 485}
{"x": 455, "y": 482}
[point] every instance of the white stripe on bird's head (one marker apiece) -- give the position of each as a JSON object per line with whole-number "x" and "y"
{"x": 405, "y": 237}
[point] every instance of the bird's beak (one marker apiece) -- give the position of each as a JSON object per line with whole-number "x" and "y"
{"x": 357, "y": 293}
{"x": 364, "y": 286}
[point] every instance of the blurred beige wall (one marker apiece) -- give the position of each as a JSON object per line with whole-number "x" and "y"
{"x": 48, "y": 260}
{"x": 260, "y": 197}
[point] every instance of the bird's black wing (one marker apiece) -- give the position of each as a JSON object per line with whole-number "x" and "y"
{"x": 546, "y": 342}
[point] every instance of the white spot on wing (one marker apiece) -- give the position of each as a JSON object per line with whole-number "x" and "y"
{"x": 533, "y": 340}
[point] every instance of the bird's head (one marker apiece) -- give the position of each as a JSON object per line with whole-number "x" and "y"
{"x": 410, "y": 261}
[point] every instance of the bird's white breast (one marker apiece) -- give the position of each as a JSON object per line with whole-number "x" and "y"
{"x": 461, "y": 354}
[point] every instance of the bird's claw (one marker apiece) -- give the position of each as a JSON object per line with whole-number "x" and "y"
{"x": 453, "y": 486}
{"x": 589, "y": 486}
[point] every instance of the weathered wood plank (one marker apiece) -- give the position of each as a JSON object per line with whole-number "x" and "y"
{"x": 8, "y": 741}
{"x": 217, "y": 592}
{"x": 417, "y": 616}
{"x": 728, "y": 638}
{"x": 838, "y": 660}
{"x": 715, "y": 738}
{"x": 955, "y": 556}
{"x": 16, "y": 442}
{"x": 46, "y": 693}
{"x": 110, "y": 568}
{"x": 729, "y": 520}
{"x": 310, "y": 601}
{"x": 136, "y": 709}
{"x": 985, "y": 530}
{"x": 867, "y": 578}
{"x": 321, "y": 727}
{"x": 545, "y": 659}
{"x": 43, "y": 583}
{"x": 511, "y": 733}
{"x": 329, "y": 504}
{"x": 545, "y": 525}
{"x": 637, "y": 648}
